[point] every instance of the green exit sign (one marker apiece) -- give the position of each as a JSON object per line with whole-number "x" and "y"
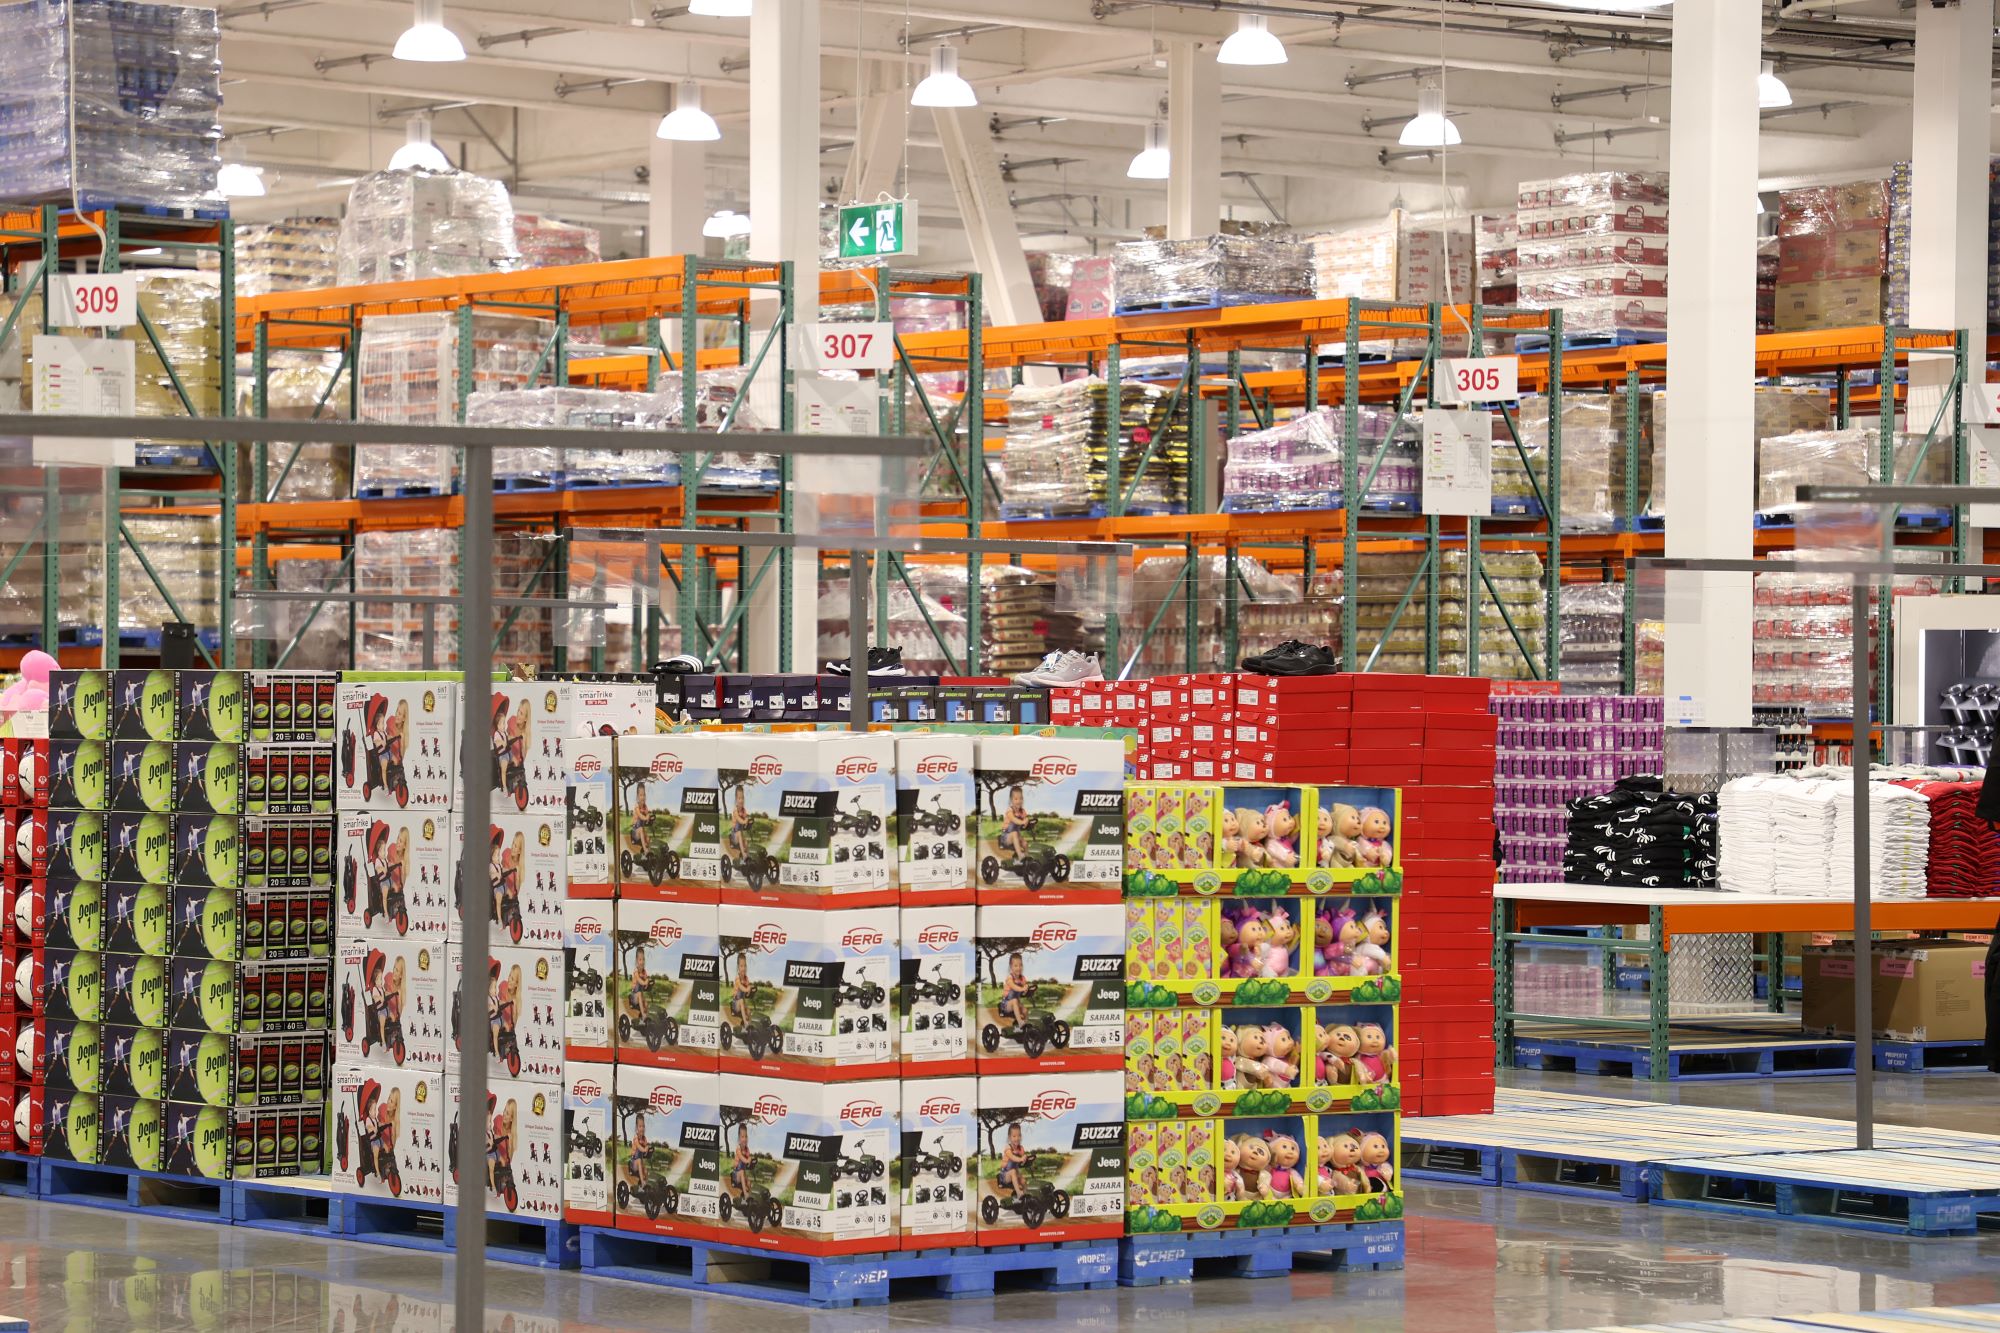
{"x": 877, "y": 231}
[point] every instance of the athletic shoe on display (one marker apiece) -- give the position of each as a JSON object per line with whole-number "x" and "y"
{"x": 1293, "y": 659}
{"x": 881, "y": 662}
{"x": 681, "y": 664}
{"x": 1063, "y": 668}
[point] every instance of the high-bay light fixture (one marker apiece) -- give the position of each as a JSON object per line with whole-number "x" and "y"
{"x": 238, "y": 180}
{"x": 1431, "y": 128}
{"x": 943, "y": 86}
{"x": 418, "y": 151}
{"x": 720, "y": 9}
{"x": 1771, "y": 90}
{"x": 1153, "y": 162}
{"x": 726, "y": 224}
{"x": 427, "y": 39}
{"x": 1253, "y": 43}
{"x": 687, "y": 122}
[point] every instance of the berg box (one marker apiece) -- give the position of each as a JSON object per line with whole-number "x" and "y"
{"x": 940, "y": 964}
{"x": 590, "y": 961}
{"x": 523, "y": 1125}
{"x": 805, "y": 819}
{"x": 936, "y": 796}
{"x": 670, "y": 1120}
{"x": 398, "y": 744}
{"x": 940, "y": 1149}
{"x": 809, "y": 1168}
{"x": 391, "y": 1004}
{"x": 388, "y": 1133}
{"x": 1061, "y": 1141}
{"x": 524, "y": 877}
{"x": 588, "y": 1124}
{"x": 666, "y": 1001}
{"x": 805, "y": 994}
{"x": 1052, "y": 826}
{"x": 522, "y": 1024}
{"x": 668, "y": 842}
{"x": 396, "y": 873}
{"x": 1051, "y": 988}
{"x": 590, "y": 805}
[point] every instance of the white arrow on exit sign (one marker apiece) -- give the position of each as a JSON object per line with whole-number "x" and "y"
{"x": 858, "y": 234}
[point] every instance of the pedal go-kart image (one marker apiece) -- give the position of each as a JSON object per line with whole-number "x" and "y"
{"x": 944, "y": 1162}
{"x": 758, "y": 868}
{"x": 1036, "y": 866}
{"x": 1036, "y": 1201}
{"x": 656, "y": 1196}
{"x": 935, "y": 820}
{"x": 658, "y": 860}
{"x": 1036, "y": 1033}
{"x": 656, "y": 1029}
{"x": 759, "y": 1035}
{"x": 862, "y": 1167}
{"x": 757, "y": 1208}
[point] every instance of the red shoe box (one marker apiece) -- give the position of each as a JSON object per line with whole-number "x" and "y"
{"x": 1469, "y": 731}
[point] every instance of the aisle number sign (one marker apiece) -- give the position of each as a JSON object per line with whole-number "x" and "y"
{"x": 847, "y": 346}
{"x": 877, "y": 231}
{"x": 1480, "y": 379}
{"x": 94, "y": 300}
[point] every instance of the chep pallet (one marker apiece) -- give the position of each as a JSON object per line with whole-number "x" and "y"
{"x": 127, "y": 1190}
{"x": 298, "y": 1205}
{"x": 1712, "y": 1058}
{"x": 1588, "y": 342}
{"x": 67, "y": 636}
{"x": 433, "y": 1227}
{"x": 1923, "y": 1057}
{"x": 403, "y": 492}
{"x": 1571, "y": 1169}
{"x": 18, "y": 1174}
{"x": 1149, "y": 1261}
{"x": 835, "y": 1281}
{"x": 1901, "y": 1192}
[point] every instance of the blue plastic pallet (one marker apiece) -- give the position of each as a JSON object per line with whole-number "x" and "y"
{"x": 1149, "y": 1261}
{"x": 18, "y": 1174}
{"x": 1587, "y": 342}
{"x": 148, "y": 640}
{"x": 621, "y": 483}
{"x": 836, "y": 1281}
{"x": 1748, "y": 1059}
{"x": 433, "y": 1227}
{"x": 403, "y": 492}
{"x": 1790, "y": 1186}
{"x": 67, "y": 636}
{"x": 124, "y": 1189}
{"x": 281, "y": 1205}
{"x": 91, "y": 203}
{"x": 1449, "y": 1161}
{"x": 1923, "y": 1057}
{"x": 528, "y": 484}
{"x": 1578, "y": 1175}
{"x": 1221, "y": 301}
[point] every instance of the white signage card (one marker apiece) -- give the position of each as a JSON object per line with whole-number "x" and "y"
{"x": 1484, "y": 379}
{"x": 94, "y": 300}
{"x": 845, "y": 346}
{"x": 1458, "y": 462}
{"x": 83, "y": 377}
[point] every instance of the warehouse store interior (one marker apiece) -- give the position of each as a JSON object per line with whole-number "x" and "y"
{"x": 1339, "y": 664}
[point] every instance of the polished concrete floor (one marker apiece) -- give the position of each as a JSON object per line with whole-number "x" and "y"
{"x": 1480, "y": 1261}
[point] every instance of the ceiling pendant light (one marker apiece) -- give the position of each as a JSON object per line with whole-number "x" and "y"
{"x": 726, "y": 224}
{"x": 720, "y": 9}
{"x": 1431, "y": 128}
{"x": 687, "y": 122}
{"x": 1771, "y": 90}
{"x": 427, "y": 39}
{"x": 1253, "y": 43}
{"x": 1153, "y": 162}
{"x": 418, "y": 152}
{"x": 943, "y": 86}
{"x": 238, "y": 180}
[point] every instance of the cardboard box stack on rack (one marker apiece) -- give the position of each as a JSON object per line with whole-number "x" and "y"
{"x": 173, "y": 860}
{"x": 1833, "y": 256}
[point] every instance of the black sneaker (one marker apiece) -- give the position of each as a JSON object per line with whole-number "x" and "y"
{"x": 881, "y": 662}
{"x": 681, "y": 664}
{"x": 1294, "y": 659}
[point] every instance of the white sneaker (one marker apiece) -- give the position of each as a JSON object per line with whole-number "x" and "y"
{"x": 1066, "y": 668}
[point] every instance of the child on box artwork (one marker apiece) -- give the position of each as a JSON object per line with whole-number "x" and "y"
{"x": 1012, "y": 1158}
{"x": 739, "y": 826}
{"x": 1014, "y": 992}
{"x": 741, "y": 990}
{"x": 1015, "y": 822}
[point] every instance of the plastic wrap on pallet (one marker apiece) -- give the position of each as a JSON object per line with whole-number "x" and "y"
{"x": 296, "y": 254}
{"x": 1298, "y": 464}
{"x": 917, "y": 618}
{"x": 184, "y": 553}
{"x": 1593, "y": 455}
{"x": 1051, "y": 275}
{"x": 409, "y": 373}
{"x": 1274, "y": 608}
{"x": 569, "y": 408}
{"x": 1896, "y": 297}
{"x": 110, "y": 102}
{"x": 723, "y": 404}
{"x": 426, "y": 224}
{"x": 551, "y": 243}
{"x": 299, "y": 385}
{"x": 389, "y": 635}
{"x": 1394, "y": 260}
{"x": 1851, "y": 457}
{"x": 1779, "y": 409}
{"x": 1210, "y": 270}
{"x": 79, "y": 586}
{"x": 1592, "y": 638}
{"x": 1595, "y": 246}
{"x": 1496, "y": 243}
{"x": 1802, "y": 632}
{"x": 1045, "y": 453}
{"x": 1152, "y": 445}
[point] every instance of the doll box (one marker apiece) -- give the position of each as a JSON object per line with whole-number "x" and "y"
{"x": 1266, "y": 1171}
{"x": 1276, "y": 1060}
{"x": 1264, "y": 951}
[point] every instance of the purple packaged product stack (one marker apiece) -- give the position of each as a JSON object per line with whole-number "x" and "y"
{"x": 1552, "y": 749}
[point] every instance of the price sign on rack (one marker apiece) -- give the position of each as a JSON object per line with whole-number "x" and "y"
{"x": 1482, "y": 379}
{"x": 94, "y": 300}
{"x": 870, "y": 346}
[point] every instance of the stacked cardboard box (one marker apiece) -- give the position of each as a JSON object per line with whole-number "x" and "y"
{"x": 174, "y": 860}
{"x": 1595, "y": 247}
{"x": 1833, "y": 254}
{"x": 1496, "y": 246}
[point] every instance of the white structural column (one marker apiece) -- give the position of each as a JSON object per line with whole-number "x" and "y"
{"x": 678, "y": 179}
{"x": 1194, "y": 137}
{"x": 1951, "y": 124}
{"x": 1711, "y": 357}
{"x": 990, "y": 234}
{"x": 784, "y": 222}
{"x": 878, "y": 140}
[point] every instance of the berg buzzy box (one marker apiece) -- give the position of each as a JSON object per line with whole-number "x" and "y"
{"x": 665, "y": 1149}
{"x": 668, "y": 843}
{"x": 805, "y": 819}
{"x": 1051, "y": 820}
{"x": 809, "y": 1168}
{"x": 1274, "y": 1060}
{"x": 665, "y": 1007}
{"x": 937, "y": 794}
{"x": 806, "y": 994}
{"x": 1050, "y": 988}
{"x": 1264, "y": 840}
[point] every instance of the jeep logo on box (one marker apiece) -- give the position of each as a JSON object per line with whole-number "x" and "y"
{"x": 586, "y": 1090}
{"x": 1053, "y": 768}
{"x": 937, "y": 1110}
{"x": 937, "y": 938}
{"x": 668, "y": 766}
{"x": 1052, "y": 935}
{"x": 768, "y": 938}
{"x": 666, "y": 931}
{"x": 861, "y": 1113}
{"x": 665, "y": 1099}
{"x": 861, "y": 939}
{"x": 855, "y": 767}
{"x": 1048, "y": 1105}
{"x": 936, "y": 767}
{"x": 767, "y": 1109}
{"x": 765, "y": 768}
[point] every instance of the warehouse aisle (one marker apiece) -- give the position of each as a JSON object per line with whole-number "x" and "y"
{"x": 1481, "y": 1261}
{"x": 1960, "y": 1101}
